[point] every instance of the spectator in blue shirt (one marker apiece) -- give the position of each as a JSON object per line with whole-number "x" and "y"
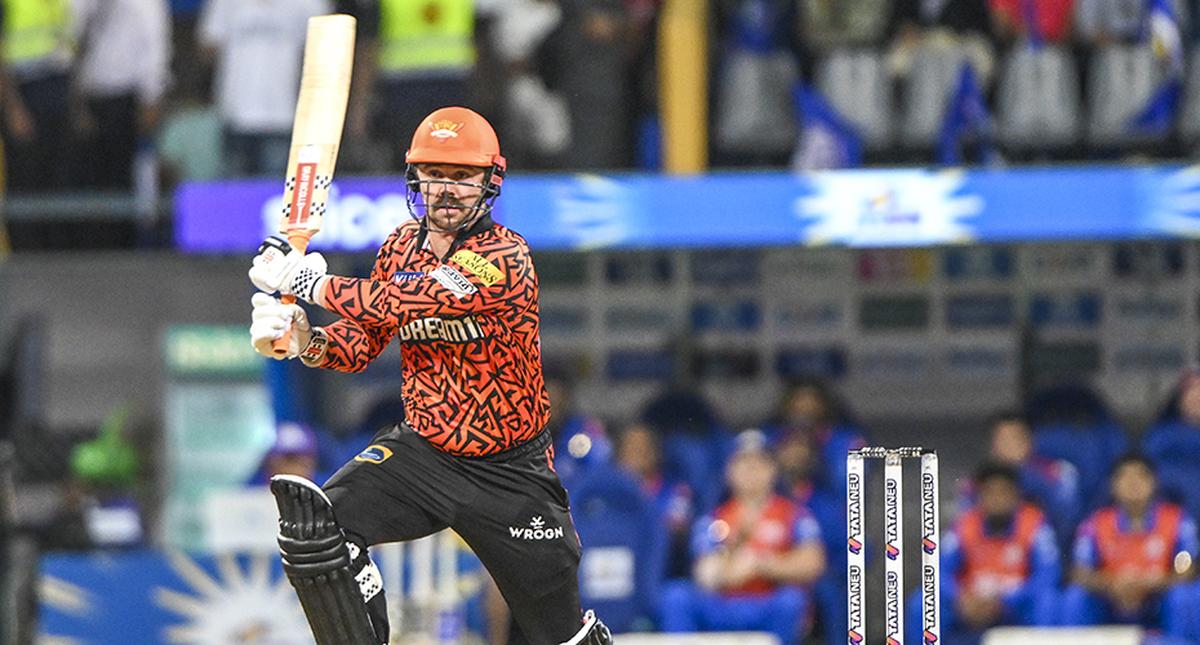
{"x": 1173, "y": 443}
{"x": 807, "y": 406}
{"x": 580, "y": 440}
{"x": 799, "y": 465}
{"x": 1052, "y": 483}
{"x": 293, "y": 453}
{"x": 639, "y": 452}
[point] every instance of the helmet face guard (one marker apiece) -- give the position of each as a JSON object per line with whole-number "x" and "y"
{"x": 460, "y": 137}
{"x": 419, "y": 190}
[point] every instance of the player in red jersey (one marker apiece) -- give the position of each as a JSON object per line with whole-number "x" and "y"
{"x": 1133, "y": 559}
{"x": 756, "y": 556}
{"x": 461, "y": 294}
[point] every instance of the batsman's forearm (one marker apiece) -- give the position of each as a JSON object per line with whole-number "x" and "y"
{"x": 365, "y": 302}
{"x": 352, "y": 347}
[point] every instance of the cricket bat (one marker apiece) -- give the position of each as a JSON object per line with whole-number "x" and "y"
{"x": 316, "y": 132}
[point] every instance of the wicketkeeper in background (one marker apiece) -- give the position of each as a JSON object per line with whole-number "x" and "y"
{"x": 473, "y": 454}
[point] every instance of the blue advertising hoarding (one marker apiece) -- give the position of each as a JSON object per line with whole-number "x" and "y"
{"x": 152, "y": 597}
{"x": 857, "y": 208}
{"x": 172, "y": 597}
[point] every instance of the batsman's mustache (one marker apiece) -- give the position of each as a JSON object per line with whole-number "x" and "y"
{"x": 447, "y": 202}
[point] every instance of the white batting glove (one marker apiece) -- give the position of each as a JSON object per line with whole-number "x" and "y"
{"x": 271, "y": 318}
{"x": 278, "y": 267}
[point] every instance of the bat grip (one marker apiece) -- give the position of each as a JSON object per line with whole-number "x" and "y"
{"x": 299, "y": 241}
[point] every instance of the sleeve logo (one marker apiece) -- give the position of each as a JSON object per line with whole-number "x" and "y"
{"x": 488, "y": 273}
{"x": 374, "y": 454}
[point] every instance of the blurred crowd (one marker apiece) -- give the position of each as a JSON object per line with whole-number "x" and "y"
{"x": 1068, "y": 519}
{"x": 689, "y": 525}
{"x": 1071, "y": 519}
{"x": 106, "y": 94}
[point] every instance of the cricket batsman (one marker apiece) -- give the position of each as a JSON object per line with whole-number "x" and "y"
{"x": 473, "y": 453}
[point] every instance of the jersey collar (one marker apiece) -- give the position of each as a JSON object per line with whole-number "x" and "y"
{"x": 482, "y": 224}
{"x": 1125, "y": 523}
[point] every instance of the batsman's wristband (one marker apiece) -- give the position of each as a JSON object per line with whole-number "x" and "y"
{"x": 314, "y": 353}
{"x": 305, "y": 284}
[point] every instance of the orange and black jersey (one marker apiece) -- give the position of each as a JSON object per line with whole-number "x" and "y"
{"x": 468, "y": 327}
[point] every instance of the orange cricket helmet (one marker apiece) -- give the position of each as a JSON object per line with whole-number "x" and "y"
{"x": 455, "y": 135}
{"x": 460, "y": 136}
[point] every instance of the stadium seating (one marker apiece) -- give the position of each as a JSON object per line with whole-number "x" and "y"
{"x": 1120, "y": 82}
{"x": 935, "y": 71}
{"x": 624, "y": 549}
{"x": 1189, "y": 124}
{"x": 1038, "y": 107}
{"x": 855, "y": 82}
{"x": 1174, "y": 447}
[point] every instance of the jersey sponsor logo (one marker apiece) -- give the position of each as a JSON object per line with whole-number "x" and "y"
{"x": 452, "y": 330}
{"x": 405, "y": 276}
{"x": 488, "y": 273}
{"x": 537, "y": 530}
{"x": 457, "y": 283}
{"x": 1155, "y": 547}
{"x": 374, "y": 454}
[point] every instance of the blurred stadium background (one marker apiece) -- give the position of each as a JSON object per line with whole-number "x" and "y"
{"x": 933, "y": 222}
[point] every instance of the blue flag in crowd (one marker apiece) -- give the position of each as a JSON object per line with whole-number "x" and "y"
{"x": 762, "y": 25}
{"x": 1162, "y": 34}
{"x": 967, "y": 124}
{"x": 826, "y": 139}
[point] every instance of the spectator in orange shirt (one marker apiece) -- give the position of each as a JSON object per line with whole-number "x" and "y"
{"x": 1131, "y": 557}
{"x": 1000, "y": 562}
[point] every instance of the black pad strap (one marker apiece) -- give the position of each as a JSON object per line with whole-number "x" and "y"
{"x": 317, "y": 563}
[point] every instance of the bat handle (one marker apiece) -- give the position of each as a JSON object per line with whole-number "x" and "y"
{"x": 299, "y": 242}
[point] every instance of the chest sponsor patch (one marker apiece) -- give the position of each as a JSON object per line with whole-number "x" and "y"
{"x": 488, "y": 273}
{"x": 452, "y": 330}
{"x": 457, "y": 283}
